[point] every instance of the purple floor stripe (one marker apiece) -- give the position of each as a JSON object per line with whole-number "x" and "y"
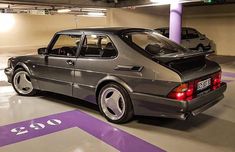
{"x": 7, "y": 137}
{"x": 228, "y": 74}
{"x": 115, "y": 137}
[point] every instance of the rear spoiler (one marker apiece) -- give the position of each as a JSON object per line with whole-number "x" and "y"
{"x": 169, "y": 58}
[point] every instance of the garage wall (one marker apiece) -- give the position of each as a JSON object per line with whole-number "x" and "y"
{"x": 140, "y": 17}
{"x": 32, "y": 31}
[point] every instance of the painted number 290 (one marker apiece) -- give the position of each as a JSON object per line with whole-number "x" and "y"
{"x": 35, "y": 126}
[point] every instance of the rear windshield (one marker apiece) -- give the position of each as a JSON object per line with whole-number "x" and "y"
{"x": 152, "y": 43}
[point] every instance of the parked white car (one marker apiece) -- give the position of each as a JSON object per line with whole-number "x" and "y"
{"x": 190, "y": 38}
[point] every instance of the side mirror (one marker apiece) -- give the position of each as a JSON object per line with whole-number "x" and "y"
{"x": 42, "y": 51}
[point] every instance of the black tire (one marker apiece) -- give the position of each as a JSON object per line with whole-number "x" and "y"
{"x": 32, "y": 93}
{"x": 128, "y": 111}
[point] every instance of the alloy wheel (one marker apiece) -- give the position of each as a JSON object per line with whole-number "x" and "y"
{"x": 112, "y": 103}
{"x": 22, "y": 83}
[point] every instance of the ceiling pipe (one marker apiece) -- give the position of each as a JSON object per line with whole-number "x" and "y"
{"x": 80, "y": 3}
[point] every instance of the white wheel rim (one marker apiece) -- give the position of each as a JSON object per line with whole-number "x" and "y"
{"x": 22, "y": 82}
{"x": 112, "y": 103}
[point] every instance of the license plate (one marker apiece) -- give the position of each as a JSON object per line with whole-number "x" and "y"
{"x": 203, "y": 84}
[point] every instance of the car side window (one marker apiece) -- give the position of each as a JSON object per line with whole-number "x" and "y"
{"x": 99, "y": 46}
{"x": 166, "y": 33}
{"x": 183, "y": 34}
{"x": 160, "y": 31}
{"x": 192, "y": 34}
{"x": 65, "y": 45}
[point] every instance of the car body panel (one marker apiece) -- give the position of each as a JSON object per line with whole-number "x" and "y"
{"x": 53, "y": 72}
{"x": 150, "y": 105}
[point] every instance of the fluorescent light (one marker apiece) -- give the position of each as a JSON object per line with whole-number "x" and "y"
{"x": 7, "y": 22}
{"x": 63, "y": 10}
{"x": 93, "y": 9}
{"x": 96, "y": 14}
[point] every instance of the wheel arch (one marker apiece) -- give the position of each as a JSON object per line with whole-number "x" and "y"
{"x": 26, "y": 68}
{"x": 22, "y": 65}
{"x": 109, "y": 79}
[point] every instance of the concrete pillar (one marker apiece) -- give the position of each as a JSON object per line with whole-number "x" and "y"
{"x": 175, "y": 22}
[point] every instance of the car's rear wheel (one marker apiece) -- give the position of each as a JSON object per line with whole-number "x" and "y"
{"x": 115, "y": 103}
{"x": 22, "y": 83}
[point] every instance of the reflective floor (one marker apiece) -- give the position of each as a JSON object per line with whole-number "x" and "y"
{"x": 65, "y": 124}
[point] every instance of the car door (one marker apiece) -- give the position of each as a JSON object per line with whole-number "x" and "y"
{"x": 94, "y": 62}
{"x": 185, "y": 41}
{"x": 56, "y": 72}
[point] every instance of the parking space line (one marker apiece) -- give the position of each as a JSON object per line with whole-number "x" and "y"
{"x": 113, "y": 136}
{"x": 228, "y": 74}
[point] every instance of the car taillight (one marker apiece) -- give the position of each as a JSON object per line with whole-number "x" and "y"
{"x": 216, "y": 80}
{"x": 186, "y": 91}
{"x": 183, "y": 92}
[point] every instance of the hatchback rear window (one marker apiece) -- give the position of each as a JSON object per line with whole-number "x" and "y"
{"x": 152, "y": 43}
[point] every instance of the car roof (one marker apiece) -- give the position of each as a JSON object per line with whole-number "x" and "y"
{"x": 107, "y": 30}
{"x": 164, "y": 28}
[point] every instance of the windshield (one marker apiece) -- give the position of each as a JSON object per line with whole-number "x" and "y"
{"x": 152, "y": 43}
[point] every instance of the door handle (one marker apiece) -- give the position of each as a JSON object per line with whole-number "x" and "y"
{"x": 70, "y": 62}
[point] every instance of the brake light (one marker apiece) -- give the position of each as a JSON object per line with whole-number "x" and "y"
{"x": 216, "y": 80}
{"x": 183, "y": 92}
{"x": 190, "y": 89}
{"x": 186, "y": 91}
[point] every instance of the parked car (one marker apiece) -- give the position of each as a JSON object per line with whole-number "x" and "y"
{"x": 190, "y": 38}
{"x": 125, "y": 71}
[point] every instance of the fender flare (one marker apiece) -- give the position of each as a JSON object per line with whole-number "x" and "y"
{"x": 26, "y": 68}
{"x": 113, "y": 79}
{"x": 21, "y": 64}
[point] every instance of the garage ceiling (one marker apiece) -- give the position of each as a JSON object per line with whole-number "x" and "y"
{"x": 91, "y": 3}
{"x": 82, "y": 7}
{"x": 106, "y": 3}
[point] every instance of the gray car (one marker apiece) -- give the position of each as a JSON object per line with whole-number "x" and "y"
{"x": 190, "y": 38}
{"x": 125, "y": 71}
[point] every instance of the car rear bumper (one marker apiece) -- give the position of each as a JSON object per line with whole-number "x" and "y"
{"x": 9, "y": 72}
{"x": 150, "y": 105}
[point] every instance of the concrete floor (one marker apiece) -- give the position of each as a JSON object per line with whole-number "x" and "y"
{"x": 211, "y": 131}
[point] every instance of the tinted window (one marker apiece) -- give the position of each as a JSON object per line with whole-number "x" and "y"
{"x": 183, "y": 34}
{"x": 98, "y": 46}
{"x": 166, "y": 33}
{"x": 66, "y": 45}
{"x": 192, "y": 34}
{"x": 152, "y": 43}
{"x": 160, "y": 31}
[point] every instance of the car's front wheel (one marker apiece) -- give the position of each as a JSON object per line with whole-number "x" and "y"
{"x": 22, "y": 83}
{"x": 115, "y": 103}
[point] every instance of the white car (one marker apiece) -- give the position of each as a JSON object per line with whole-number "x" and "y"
{"x": 190, "y": 38}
